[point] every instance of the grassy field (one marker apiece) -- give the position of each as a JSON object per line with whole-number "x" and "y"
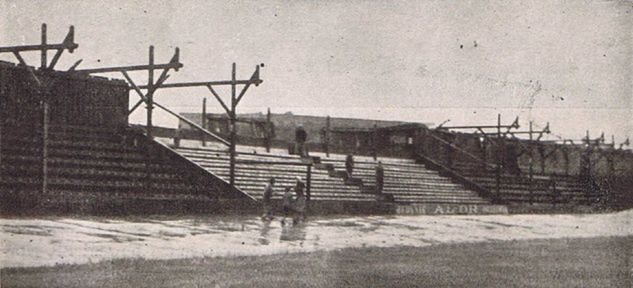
{"x": 593, "y": 262}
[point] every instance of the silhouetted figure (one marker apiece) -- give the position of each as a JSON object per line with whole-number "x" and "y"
{"x": 301, "y": 136}
{"x": 380, "y": 177}
{"x": 287, "y": 204}
{"x": 268, "y": 195}
{"x": 177, "y": 137}
{"x": 300, "y": 201}
{"x": 349, "y": 165}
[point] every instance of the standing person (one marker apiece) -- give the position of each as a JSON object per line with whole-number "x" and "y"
{"x": 380, "y": 177}
{"x": 287, "y": 204}
{"x": 300, "y": 201}
{"x": 177, "y": 137}
{"x": 349, "y": 165}
{"x": 301, "y": 136}
{"x": 268, "y": 195}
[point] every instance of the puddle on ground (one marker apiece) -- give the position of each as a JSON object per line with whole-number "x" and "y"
{"x": 32, "y": 231}
{"x": 90, "y": 239}
{"x": 115, "y": 238}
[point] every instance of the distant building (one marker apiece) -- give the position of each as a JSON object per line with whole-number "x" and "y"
{"x": 348, "y": 134}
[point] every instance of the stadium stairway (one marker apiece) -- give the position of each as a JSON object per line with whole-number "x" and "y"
{"x": 103, "y": 171}
{"x": 405, "y": 181}
{"x": 253, "y": 170}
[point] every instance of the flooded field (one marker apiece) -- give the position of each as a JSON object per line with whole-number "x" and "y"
{"x": 50, "y": 241}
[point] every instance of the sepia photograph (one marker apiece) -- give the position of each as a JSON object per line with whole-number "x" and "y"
{"x": 296, "y": 143}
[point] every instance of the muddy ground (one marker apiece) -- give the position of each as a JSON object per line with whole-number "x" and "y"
{"x": 78, "y": 240}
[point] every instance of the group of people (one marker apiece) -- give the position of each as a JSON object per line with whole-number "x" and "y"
{"x": 292, "y": 205}
{"x": 379, "y": 169}
{"x": 295, "y": 205}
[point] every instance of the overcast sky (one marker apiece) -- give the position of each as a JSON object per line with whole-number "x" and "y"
{"x": 569, "y": 63}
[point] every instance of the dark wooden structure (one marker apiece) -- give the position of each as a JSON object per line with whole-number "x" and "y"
{"x": 73, "y": 99}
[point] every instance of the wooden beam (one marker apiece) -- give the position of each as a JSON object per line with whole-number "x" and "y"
{"x": 44, "y": 51}
{"x": 131, "y": 82}
{"x": 217, "y": 97}
{"x": 206, "y": 83}
{"x": 20, "y": 59}
{"x": 135, "y": 106}
{"x": 213, "y": 135}
{"x": 131, "y": 68}
{"x": 254, "y": 78}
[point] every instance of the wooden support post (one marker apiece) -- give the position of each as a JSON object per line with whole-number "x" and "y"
{"x": 499, "y": 151}
{"x": 327, "y": 136}
{"x": 531, "y": 168}
{"x": 150, "y": 92}
{"x": 484, "y": 152}
{"x": 44, "y": 61}
{"x": 150, "y": 106}
{"x": 373, "y": 142}
{"x": 45, "y": 146}
{"x": 268, "y": 130}
{"x": 204, "y": 121}
{"x": 233, "y": 127}
{"x": 308, "y": 181}
{"x": 588, "y": 154}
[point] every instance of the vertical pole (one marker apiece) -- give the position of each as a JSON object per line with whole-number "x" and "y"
{"x": 150, "y": 107}
{"x": 531, "y": 171}
{"x": 499, "y": 151}
{"x": 484, "y": 152}
{"x": 44, "y": 145}
{"x": 613, "y": 141}
{"x": 498, "y": 170}
{"x": 611, "y": 154}
{"x": 233, "y": 127}
{"x": 589, "y": 152}
{"x": 150, "y": 92}
{"x": 373, "y": 142}
{"x": 204, "y": 121}
{"x": 268, "y": 130}
{"x": 327, "y": 136}
{"x": 44, "y": 61}
{"x": 308, "y": 181}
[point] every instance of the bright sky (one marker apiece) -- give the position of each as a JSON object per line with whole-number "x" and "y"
{"x": 569, "y": 63}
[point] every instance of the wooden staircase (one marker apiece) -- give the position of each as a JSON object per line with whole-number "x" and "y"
{"x": 406, "y": 182}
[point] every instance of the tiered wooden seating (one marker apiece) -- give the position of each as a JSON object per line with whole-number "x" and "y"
{"x": 408, "y": 181}
{"x": 405, "y": 180}
{"x": 87, "y": 163}
{"x": 253, "y": 170}
{"x": 517, "y": 188}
